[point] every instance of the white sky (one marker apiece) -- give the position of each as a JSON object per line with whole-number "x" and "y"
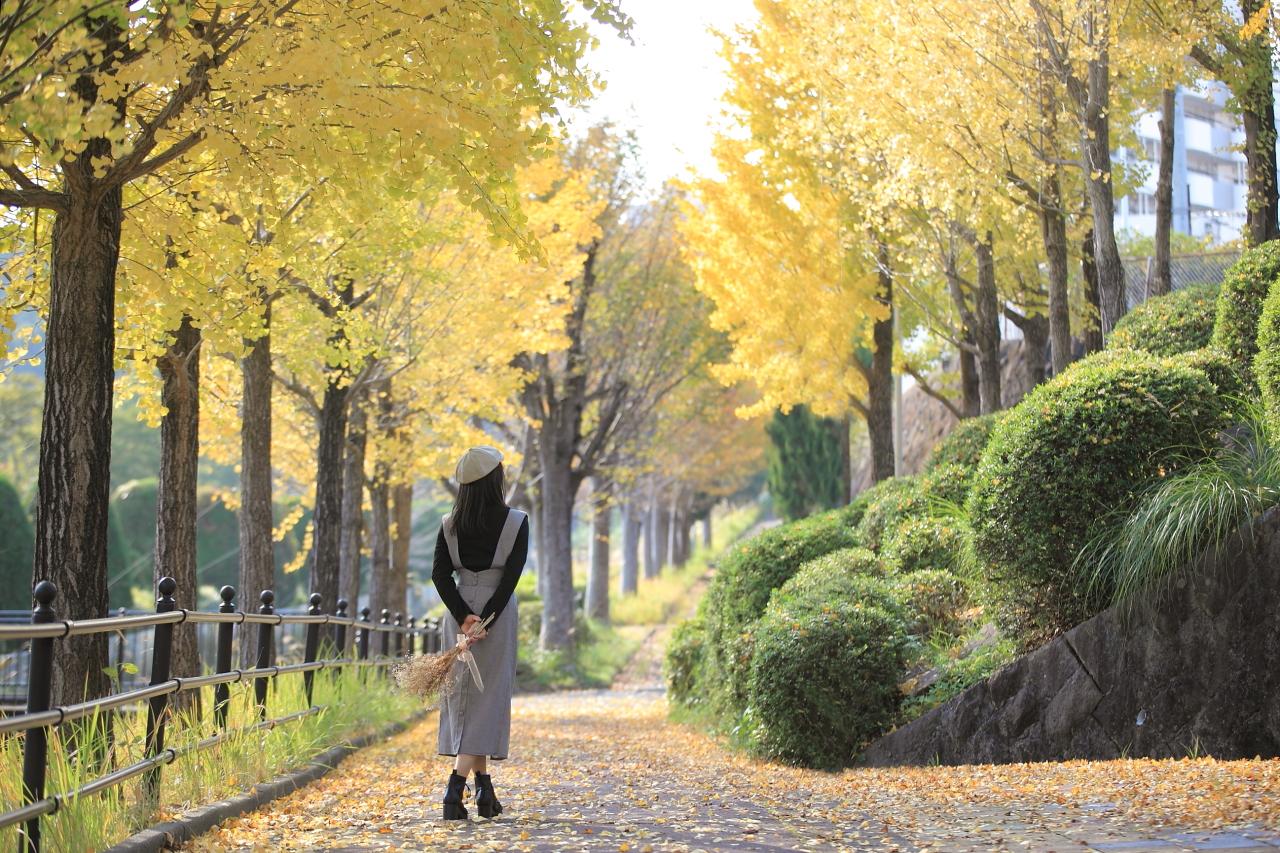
{"x": 666, "y": 87}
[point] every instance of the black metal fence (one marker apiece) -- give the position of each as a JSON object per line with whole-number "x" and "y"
{"x": 395, "y": 638}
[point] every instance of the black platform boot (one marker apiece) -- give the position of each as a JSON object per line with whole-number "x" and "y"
{"x": 486, "y": 800}
{"x": 453, "y": 808}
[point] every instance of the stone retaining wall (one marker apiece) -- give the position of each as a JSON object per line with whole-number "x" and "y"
{"x": 1193, "y": 668}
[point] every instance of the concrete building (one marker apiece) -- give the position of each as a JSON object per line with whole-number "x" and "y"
{"x": 1209, "y": 184}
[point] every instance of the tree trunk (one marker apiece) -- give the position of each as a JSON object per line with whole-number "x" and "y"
{"x": 597, "y": 604}
{"x": 257, "y": 527}
{"x": 1258, "y": 114}
{"x": 650, "y": 526}
{"x": 74, "y": 479}
{"x": 558, "y": 489}
{"x": 1053, "y": 232}
{"x": 631, "y": 525}
{"x": 327, "y": 521}
{"x": 1093, "y": 339}
{"x": 1035, "y": 340}
{"x": 879, "y": 413}
{"x": 401, "y": 534}
{"x": 661, "y": 535}
{"x": 1095, "y": 139}
{"x": 986, "y": 334}
{"x": 381, "y": 586}
{"x": 1162, "y": 279}
{"x": 706, "y": 530}
{"x": 176, "y": 493}
{"x": 350, "y": 543}
{"x": 970, "y": 394}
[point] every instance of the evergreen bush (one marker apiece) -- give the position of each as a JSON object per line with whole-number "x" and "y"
{"x": 743, "y": 583}
{"x": 889, "y": 503}
{"x": 824, "y": 677}
{"x": 1174, "y": 323}
{"x": 922, "y": 543}
{"x": 684, "y": 657}
{"x": 936, "y": 599}
{"x": 1078, "y": 448}
{"x": 17, "y": 550}
{"x": 964, "y": 444}
{"x": 1266, "y": 364}
{"x": 805, "y": 462}
{"x": 1244, "y": 289}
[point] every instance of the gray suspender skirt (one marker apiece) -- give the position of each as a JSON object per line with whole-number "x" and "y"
{"x": 472, "y": 722}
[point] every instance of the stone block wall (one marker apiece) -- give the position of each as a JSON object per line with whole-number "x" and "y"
{"x": 1191, "y": 667}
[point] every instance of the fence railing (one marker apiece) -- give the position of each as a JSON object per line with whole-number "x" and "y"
{"x": 396, "y": 638}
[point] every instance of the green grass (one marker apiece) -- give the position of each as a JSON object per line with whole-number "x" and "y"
{"x": 1193, "y": 511}
{"x": 957, "y": 674}
{"x": 355, "y": 702}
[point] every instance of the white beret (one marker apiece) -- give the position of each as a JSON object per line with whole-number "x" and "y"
{"x": 477, "y": 463}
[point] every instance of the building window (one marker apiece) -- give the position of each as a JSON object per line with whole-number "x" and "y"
{"x": 1141, "y": 204}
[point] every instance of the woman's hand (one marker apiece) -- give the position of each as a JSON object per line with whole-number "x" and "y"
{"x": 470, "y": 627}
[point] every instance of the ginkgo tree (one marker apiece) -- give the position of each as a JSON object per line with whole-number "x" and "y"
{"x": 99, "y": 96}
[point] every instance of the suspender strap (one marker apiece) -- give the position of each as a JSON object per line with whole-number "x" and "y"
{"x": 451, "y": 539}
{"x": 507, "y": 540}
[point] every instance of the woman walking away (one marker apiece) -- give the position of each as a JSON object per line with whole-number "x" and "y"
{"x": 484, "y": 544}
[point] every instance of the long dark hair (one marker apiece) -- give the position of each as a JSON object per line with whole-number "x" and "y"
{"x": 476, "y": 502}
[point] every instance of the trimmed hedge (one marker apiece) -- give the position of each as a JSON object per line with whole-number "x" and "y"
{"x": 948, "y": 483}
{"x": 889, "y": 503}
{"x": 824, "y": 677}
{"x": 923, "y": 543}
{"x": 1078, "y": 448}
{"x": 749, "y": 575}
{"x": 1174, "y": 323}
{"x": 686, "y": 651}
{"x": 1266, "y": 364}
{"x": 1223, "y": 372}
{"x": 936, "y": 599}
{"x": 743, "y": 583}
{"x": 964, "y": 444}
{"x": 1245, "y": 287}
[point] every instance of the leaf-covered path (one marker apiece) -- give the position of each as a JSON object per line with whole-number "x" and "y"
{"x": 606, "y": 770}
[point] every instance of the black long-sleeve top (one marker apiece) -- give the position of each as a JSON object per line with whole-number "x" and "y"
{"x": 476, "y": 553}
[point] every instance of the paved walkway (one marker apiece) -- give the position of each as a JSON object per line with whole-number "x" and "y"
{"x": 606, "y": 770}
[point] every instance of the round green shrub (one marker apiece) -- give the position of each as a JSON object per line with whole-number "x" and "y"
{"x": 1266, "y": 364}
{"x": 1076, "y": 449}
{"x": 824, "y": 680}
{"x": 746, "y": 577}
{"x": 1245, "y": 286}
{"x": 889, "y": 503}
{"x": 1222, "y": 371}
{"x": 936, "y": 599}
{"x": 949, "y": 483}
{"x": 1176, "y": 322}
{"x": 964, "y": 444}
{"x": 683, "y": 664}
{"x": 922, "y": 543}
{"x": 850, "y": 574}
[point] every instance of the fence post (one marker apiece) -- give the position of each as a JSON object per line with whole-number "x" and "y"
{"x": 364, "y": 633}
{"x": 412, "y": 636}
{"x": 222, "y": 692}
{"x": 161, "y": 655}
{"x": 399, "y": 644}
{"x": 35, "y": 742}
{"x": 264, "y": 651}
{"x": 311, "y": 645}
{"x": 340, "y": 629}
{"x": 121, "y": 611}
{"x": 384, "y": 638}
